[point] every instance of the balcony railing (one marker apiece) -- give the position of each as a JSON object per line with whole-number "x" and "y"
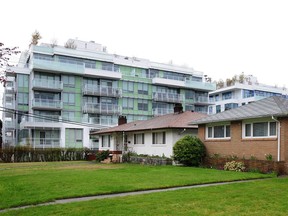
{"x": 9, "y": 124}
{"x": 162, "y": 111}
{"x": 42, "y": 142}
{"x": 102, "y": 121}
{"x": 101, "y": 108}
{"x": 200, "y": 85}
{"x": 168, "y": 97}
{"x": 98, "y": 90}
{"x": 47, "y": 84}
{"x": 41, "y": 118}
{"x": 47, "y": 104}
{"x": 202, "y": 99}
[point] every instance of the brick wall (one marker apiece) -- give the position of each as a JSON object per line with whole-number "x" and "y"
{"x": 245, "y": 148}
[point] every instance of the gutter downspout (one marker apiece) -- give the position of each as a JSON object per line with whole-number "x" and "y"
{"x": 279, "y": 138}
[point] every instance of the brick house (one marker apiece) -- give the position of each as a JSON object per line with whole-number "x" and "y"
{"x": 155, "y": 136}
{"x": 254, "y": 130}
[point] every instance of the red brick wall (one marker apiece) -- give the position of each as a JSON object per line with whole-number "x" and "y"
{"x": 245, "y": 148}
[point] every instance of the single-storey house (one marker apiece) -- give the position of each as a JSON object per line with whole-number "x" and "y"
{"x": 254, "y": 130}
{"x": 155, "y": 136}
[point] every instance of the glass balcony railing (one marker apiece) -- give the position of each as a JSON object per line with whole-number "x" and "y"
{"x": 200, "y": 85}
{"x": 162, "y": 111}
{"x": 101, "y": 108}
{"x": 98, "y": 90}
{"x": 47, "y": 104}
{"x": 47, "y": 84}
{"x": 168, "y": 97}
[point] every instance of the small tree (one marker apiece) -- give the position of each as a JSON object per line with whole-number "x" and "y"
{"x": 189, "y": 151}
{"x": 5, "y": 54}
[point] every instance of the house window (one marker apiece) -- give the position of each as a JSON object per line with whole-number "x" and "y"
{"x": 259, "y": 129}
{"x": 159, "y": 138}
{"x": 218, "y": 131}
{"x": 106, "y": 141}
{"x": 139, "y": 138}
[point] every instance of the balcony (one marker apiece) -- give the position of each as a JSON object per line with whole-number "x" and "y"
{"x": 168, "y": 97}
{"x": 202, "y": 100}
{"x": 47, "y": 85}
{"x": 89, "y": 89}
{"x": 9, "y": 125}
{"x": 103, "y": 73}
{"x": 47, "y": 104}
{"x": 42, "y": 142}
{"x": 49, "y": 121}
{"x": 101, "y": 108}
{"x": 102, "y": 121}
{"x": 162, "y": 111}
{"x": 168, "y": 82}
{"x": 205, "y": 86}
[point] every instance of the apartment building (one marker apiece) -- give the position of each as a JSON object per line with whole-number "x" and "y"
{"x": 237, "y": 94}
{"x": 58, "y": 94}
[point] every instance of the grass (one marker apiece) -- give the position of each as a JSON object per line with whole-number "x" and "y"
{"x": 32, "y": 183}
{"x": 267, "y": 197}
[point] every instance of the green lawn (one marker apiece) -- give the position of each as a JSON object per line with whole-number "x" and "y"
{"x": 31, "y": 183}
{"x": 267, "y": 197}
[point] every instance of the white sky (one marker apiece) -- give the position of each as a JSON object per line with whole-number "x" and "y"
{"x": 221, "y": 38}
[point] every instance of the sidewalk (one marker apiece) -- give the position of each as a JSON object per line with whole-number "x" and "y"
{"x": 80, "y": 199}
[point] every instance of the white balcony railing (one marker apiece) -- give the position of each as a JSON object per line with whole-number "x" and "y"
{"x": 42, "y": 142}
{"x": 99, "y": 90}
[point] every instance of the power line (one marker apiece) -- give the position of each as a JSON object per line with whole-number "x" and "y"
{"x": 18, "y": 112}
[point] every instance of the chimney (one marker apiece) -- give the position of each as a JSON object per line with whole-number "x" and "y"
{"x": 178, "y": 108}
{"x": 122, "y": 120}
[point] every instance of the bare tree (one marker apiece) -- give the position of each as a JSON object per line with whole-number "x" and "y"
{"x": 5, "y": 54}
{"x": 70, "y": 44}
{"x": 54, "y": 42}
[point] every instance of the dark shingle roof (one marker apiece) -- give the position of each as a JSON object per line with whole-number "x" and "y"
{"x": 272, "y": 106}
{"x": 179, "y": 120}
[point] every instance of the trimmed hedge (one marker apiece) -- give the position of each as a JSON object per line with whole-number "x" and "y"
{"x": 28, "y": 154}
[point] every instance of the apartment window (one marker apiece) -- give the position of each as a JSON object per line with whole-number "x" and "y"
{"x": 23, "y": 80}
{"x": 70, "y": 60}
{"x": 107, "y": 66}
{"x": 159, "y": 138}
{"x": 139, "y": 138}
{"x": 143, "y": 88}
{"x": 142, "y": 105}
{"x": 259, "y": 129}
{"x": 218, "y": 131}
{"x": 106, "y": 141}
{"x": 248, "y": 93}
{"x": 128, "y": 103}
{"x": 68, "y": 81}
{"x": 189, "y": 94}
{"x": 23, "y": 98}
{"x": 68, "y": 115}
{"x": 90, "y": 64}
{"x": 218, "y": 108}
{"x": 230, "y": 106}
{"x": 69, "y": 98}
{"x": 42, "y": 57}
{"x": 74, "y": 136}
{"x": 128, "y": 87}
{"x": 226, "y": 95}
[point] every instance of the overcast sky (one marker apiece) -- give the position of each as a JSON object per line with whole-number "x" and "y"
{"x": 218, "y": 37}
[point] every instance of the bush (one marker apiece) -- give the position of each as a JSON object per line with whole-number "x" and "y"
{"x": 189, "y": 151}
{"x": 234, "y": 166}
{"x": 102, "y": 155}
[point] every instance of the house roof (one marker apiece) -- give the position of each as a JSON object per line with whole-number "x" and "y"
{"x": 267, "y": 107}
{"x": 174, "y": 120}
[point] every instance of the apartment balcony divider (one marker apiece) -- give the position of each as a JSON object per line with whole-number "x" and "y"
{"x": 45, "y": 84}
{"x": 101, "y": 108}
{"x": 99, "y": 90}
{"x": 47, "y": 104}
{"x": 168, "y": 97}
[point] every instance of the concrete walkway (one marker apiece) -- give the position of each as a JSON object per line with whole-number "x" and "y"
{"x": 80, "y": 199}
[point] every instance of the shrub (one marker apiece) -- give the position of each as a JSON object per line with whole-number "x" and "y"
{"x": 102, "y": 155}
{"x": 189, "y": 151}
{"x": 234, "y": 166}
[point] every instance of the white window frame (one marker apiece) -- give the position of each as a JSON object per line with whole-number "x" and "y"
{"x": 251, "y": 122}
{"x": 212, "y": 126}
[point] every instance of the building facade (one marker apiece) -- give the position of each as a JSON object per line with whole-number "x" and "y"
{"x": 238, "y": 94}
{"x": 57, "y": 95}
